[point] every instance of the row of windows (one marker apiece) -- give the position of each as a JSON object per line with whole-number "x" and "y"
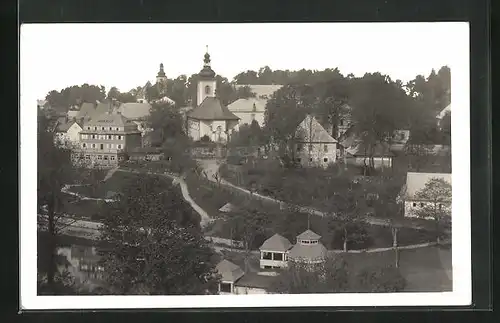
{"x": 104, "y": 128}
{"x": 102, "y": 157}
{"x": 101, "y": 146}
{"x": 102, "y": 137}
{"x": 276, "y": 256}
{"x": 325, "y": 148}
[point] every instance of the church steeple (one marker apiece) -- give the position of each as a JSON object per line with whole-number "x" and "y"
{"x": 207, "y": 72}
{"x": 161, "y": 76}
{"x": 206, "y": 80}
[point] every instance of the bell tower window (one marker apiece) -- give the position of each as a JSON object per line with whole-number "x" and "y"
{"x": 207, "y": 89}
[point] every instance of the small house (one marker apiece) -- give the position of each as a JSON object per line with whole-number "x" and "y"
{"x": 230, "y": 273}
{"x": 273, "y": 252}
{"x": 359, "y": 154}
{"x": 415, "y": 182}
{"x": 67, "y": 133}
{"x": 255, "y": 283}
{"x": 308, "y": 249}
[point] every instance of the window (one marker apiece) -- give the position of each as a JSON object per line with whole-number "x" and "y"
{"x": 112, "y": 157}
{"x": 102, "y": 146}
{"x": 102, "y": 128}
{"x": 99, "y": 157}
{"x": 278, "y": 256}
{"x": 341, "y": 122}
{"x": 88, "y": 128}
{"x": 119, "y": 146}
{"x": 84, "y": 145}
{"x": 414, "y": 204}
{"x": 93, "y": 136}
{"x": 93, "y": 145}
{"x": 117, "y": 128}
{"x": 105, "y": 157}
{"x": 95, "y": 128}
{"x": 267, "y": 255}
{"x": 305, "y": 242}
{"x": 225, "y": 287}
{"x": 120, "y": 158}
{"x": 87, "y": 157}
{"x": 207, "y": 89}
{"x": 310, "y": 159}
{"x": 110, "y": 128}
{"x": 109, "y": 137}
{"x": 325, "y": 148}
{"x": 119, "y": 137}
{"x": 325, "y": 160}
{"x": 421, "y": 204}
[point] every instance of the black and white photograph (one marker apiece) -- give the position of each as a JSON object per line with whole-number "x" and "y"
{"x": 244, "y": 165}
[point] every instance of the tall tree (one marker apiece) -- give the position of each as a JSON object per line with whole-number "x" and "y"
{"x": 165, "y": 120}
{"x": 155, "y": 245}
{"x": 437, "y": 204}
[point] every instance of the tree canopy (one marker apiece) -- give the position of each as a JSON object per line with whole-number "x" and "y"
{"x": 156, "y": 246}
{"x": 75, "y": 95}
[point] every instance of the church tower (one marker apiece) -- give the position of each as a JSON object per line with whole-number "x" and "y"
{"x": 206, "y": 82}
{"x": 161, "y": 78}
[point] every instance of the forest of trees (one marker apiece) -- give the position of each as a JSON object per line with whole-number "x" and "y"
{"x": 432, "y": 91}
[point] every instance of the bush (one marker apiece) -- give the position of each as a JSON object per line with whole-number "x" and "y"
{"x": 380, "y": 280}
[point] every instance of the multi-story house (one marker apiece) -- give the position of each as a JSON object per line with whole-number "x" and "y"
{"x": 106, "y": 139}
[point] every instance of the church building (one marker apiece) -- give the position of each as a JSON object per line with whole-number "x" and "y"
{"x": 210, "y": 118}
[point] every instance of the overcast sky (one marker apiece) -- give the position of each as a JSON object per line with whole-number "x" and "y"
{"x": 128, "y": 55}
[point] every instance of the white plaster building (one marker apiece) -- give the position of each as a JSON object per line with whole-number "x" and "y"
{"x": 67, "y": 133}
{"x": 274, "y": 252}
{"x": 415, "y": 182}
{"x": 210, "y": 118}
{"x": 249, "y": 110}
{"x": 315, "y": 147}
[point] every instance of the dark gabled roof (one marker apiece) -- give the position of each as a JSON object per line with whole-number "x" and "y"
{"x": 211, "y": 109}
{"x": 256, "y": 281}
{"x": 87, "y": 110}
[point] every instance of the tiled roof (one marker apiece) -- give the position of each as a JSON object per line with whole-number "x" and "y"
{"x": 416, "y": 181}
{"x": 248, "y": 105}
{"x": 229, "y": 271}
{"x": 262, "y": 90}
{"x": 111, "y": 119}
{"x": 256, "y": 281}
{"x": 308, "y": 252}
{"x": 102, "y": 108}
{"x": 308, "y": 234}
{"x": 312, "y": 131}
{"x": 87, "y": 110}
{"x": 135, "y": 110}
{"x": 211, "y": 109}
{"x": 276, "y": 243}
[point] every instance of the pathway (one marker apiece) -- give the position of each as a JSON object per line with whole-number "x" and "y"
{"x": 211, "y": 167}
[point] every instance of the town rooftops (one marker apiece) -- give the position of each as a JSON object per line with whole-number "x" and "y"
{"x": 135, "y": 110}
{"x": 254, "y": 280}
{"x": 276, "y": 243}
{"x": 416, "y": 182}
{"x": 308, "y": 235}
{"x": 311, "y": 131}
{"x": 248, "y": 105}
{"x": 262, "y": 91}
{"x": 63, "y": 125}
{"x": 211, "y": 109}
{"x": 87, "y": 110}
{"x": 229, "y": 271}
